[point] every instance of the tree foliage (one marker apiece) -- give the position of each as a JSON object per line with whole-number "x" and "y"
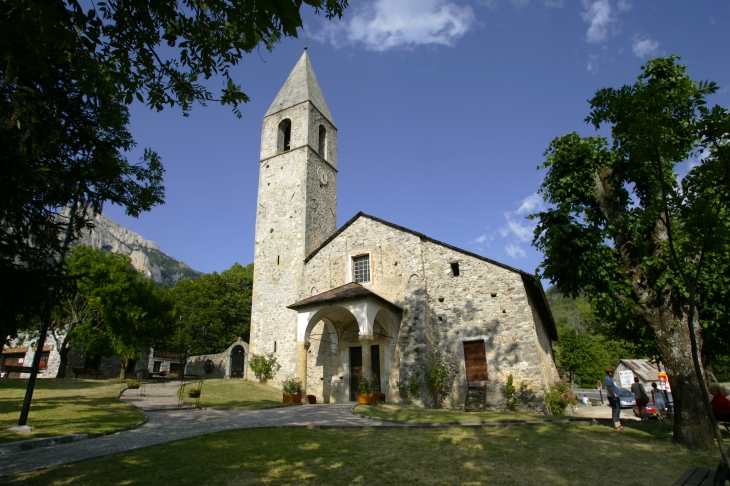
{"x": 212, "y": 311}
{"x": 643, "y": 243}
{"x": 114, "y": 309}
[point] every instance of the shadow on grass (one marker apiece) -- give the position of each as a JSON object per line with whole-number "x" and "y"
{"x": 540, "y": 454}
{"x": 404, "y": 413}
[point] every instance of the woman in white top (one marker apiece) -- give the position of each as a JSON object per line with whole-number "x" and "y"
{"x": 658, "y": 397}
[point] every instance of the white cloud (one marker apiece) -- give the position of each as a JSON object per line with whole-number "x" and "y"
{"x": 484, "y": 238}
{"x": 645, "y": 47}
{"x": 592, "y": 64}
{"x": 387, "y": 24}
{"x": 598, "y": 15}
{"x": 624, "y": 5}
{"x": 514, "y": 251}
{"x": 530, "y": 204}
{"x": 516, "y": 229}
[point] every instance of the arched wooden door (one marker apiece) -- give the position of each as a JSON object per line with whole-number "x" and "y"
{"x": 237, "y": 360}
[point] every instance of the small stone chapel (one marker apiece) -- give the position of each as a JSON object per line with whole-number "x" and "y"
{"x": 374, "y": 299}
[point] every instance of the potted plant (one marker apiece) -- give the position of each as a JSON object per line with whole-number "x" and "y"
{"x": 193, "y": 393}
{"x": 132, "y": 384}
{"x": 365, "y": 388}
{"x": 292, "y": 388}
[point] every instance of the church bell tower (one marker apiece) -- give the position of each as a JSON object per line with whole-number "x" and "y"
{"x": 296, "y": 210}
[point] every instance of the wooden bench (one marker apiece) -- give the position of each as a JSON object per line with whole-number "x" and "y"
{"x": 7, "y": 369}
{"x": 86, "y": 371}
{"x": 704, "y": 476}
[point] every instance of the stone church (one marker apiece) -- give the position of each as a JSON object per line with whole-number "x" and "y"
{"x": 372, "y": 298}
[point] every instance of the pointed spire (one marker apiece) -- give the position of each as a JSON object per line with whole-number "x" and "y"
{"x": 300, "y": 86}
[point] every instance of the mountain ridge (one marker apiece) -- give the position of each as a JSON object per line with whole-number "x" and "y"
{"x": 145, "y": 254}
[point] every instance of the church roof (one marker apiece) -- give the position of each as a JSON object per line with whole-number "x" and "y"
{"x": 532, "y": 284}
{"x": 300, "y": 86}
{"x": 347, "y": 291}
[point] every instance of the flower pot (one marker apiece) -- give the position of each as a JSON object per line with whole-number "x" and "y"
{"x": 133, "y": 387}
{"x": 292, "y": 398}
{"x": 193, "y": 395}
{"x": 379, "y": 397}
{"x": 312, "y": 399}
{"x": 366, "y": 398}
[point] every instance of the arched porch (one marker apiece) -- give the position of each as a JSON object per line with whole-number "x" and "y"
{"x": 343, "y": 334}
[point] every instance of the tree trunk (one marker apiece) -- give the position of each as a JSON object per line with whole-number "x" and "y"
{"x": 123, "y": 371}
{"x": 692, "y": 426}
{"x": 63, "y": 354}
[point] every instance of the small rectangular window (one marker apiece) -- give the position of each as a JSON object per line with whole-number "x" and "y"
{"x": 156, "y": 366}
{"x": 361, "y": 269}
{"x": 455, "y": 269}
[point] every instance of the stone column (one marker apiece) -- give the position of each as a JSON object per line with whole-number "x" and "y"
{"x": 303, "y": 347}
{"x": 367, "y": 358}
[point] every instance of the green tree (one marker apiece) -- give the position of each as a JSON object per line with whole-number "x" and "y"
{"x": 114, "y": 309}
{"x": 211, "y": 311}
{"x": 643, "y": 243}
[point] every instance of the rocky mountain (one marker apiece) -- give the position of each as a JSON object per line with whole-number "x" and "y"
{"x": 145, "y": 254}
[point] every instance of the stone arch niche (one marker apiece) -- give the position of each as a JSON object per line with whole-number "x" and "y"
{"x": 283, "y": 140}
{"x": 218, "y": 365}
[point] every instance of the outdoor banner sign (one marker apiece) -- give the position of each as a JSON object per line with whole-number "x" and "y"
{"x": 626, "y": 377}
{"x": 664, "y": 382}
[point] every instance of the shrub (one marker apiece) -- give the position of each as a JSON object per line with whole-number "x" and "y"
{"x": 132, "y": 383}
{"x": 292, "y": 386}
{"x": 409, "y": 390}
{"x": 559, "y": 397}
{"x": 437, "y": 377}
{"x": 264, "y": 366}
{"x": 365, "y": 386}
{"x": 517, "y": 397}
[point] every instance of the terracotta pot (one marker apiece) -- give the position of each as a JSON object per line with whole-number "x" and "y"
{"x": 312, "y": 399}
{"x": 292, "y": 398}
{"x": 366, "y": 398}
{"x": 379, "y": 397}
{"x": 193, "y": 395}
{"x": 133, "y": 387}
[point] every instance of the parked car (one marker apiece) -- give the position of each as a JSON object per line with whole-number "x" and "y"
{"x": 626, "y": 398}
{"x": 650, "y": 410}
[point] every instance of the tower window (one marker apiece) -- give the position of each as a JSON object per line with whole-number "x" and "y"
{"x": 361, "y": 269}
{"x": 455, "y": 268}
{"x": 284, "y": 140}
{"x": 322, "y": 141}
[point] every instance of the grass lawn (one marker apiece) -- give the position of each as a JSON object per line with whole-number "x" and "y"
{"x": 404, "y": 413}
{"x": 232, "y": 393}
{"x": 65, "y": 406}
{"x": 551, "y": 454}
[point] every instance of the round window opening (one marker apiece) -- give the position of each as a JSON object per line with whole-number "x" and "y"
{"x": 208, "y": 366}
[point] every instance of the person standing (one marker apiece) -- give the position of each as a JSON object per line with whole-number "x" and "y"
{"x": 640, "y": 396}
{"x": 612, "y": 393}
{"x": 656, "y": 395}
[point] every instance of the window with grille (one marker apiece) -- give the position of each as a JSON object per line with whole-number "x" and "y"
{"x": 361, "y": 269}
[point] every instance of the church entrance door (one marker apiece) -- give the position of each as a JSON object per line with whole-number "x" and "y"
{"x": 237, "y": 356}
{"x": 356, "y": 369}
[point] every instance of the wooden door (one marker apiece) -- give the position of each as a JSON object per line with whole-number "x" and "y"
{"x": 375, "y": 364}
{"x": 237, "y": 362}
{"x": 355, "y": 370}
{"x": 15, "y": 359}
{"x": 475, "y": 360}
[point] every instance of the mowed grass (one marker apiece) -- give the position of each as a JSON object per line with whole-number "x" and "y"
{"x": 233, "y": 393}
{"x": 545, "y": 454}
{"x": 404, "y": 413}
{"x": 65, "y": 406}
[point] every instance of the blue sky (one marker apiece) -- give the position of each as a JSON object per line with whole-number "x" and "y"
{"x": 443, "y": 109}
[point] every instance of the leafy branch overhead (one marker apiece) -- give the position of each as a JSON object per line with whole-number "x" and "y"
{"x": 156, "y": 51}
